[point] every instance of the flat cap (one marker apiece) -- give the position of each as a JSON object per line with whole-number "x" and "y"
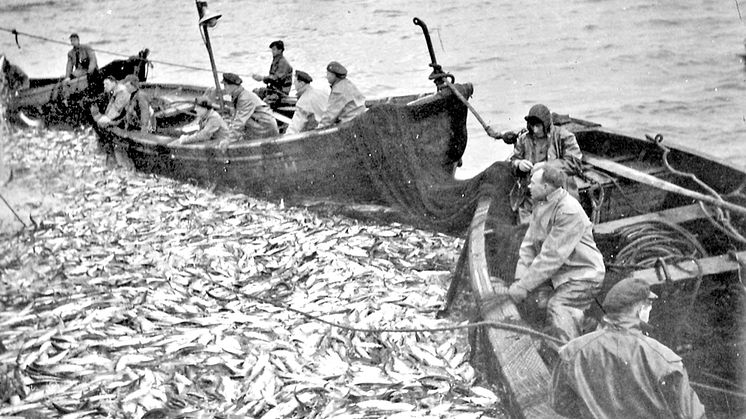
{"x": 336, "y": 68}
{"x": 278, "y": 44}
{"x": 303, "y": 76}
{"x": 231, "y": 78}
{"x": 74, "y": 35}
{"x": 625, "y": 293}
{"x": 203, "y": 101}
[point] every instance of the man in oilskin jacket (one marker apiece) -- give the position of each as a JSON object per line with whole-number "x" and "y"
{"x": 618, "y": 372}
{"x": 542, "y": 141}
{"x": 558, "y": 250}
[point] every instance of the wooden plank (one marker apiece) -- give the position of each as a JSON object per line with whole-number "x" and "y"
{"x": 689, "y": 269}
{"x": 644, "y": 178}
{"x": 676, "y": 215}
{"x": 522, "y": 368}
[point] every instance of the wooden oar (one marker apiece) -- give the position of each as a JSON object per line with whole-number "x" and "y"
{"x": 461, "y": 97}
{"x": 644, "y": 178}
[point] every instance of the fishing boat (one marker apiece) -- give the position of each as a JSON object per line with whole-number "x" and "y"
{"x": 663, "y": 213}
{"x": 66, "y": 102}
{"x": 372, "y": 159}
{"x": 333, "y": 163}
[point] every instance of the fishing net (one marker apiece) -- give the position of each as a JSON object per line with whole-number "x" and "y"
{"x": 399, "y": 163}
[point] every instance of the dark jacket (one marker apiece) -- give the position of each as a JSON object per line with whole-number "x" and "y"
{"x": 618, "y": 372}
{"x": 280, "y": 74}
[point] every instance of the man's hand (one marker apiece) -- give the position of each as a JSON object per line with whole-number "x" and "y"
{"x": 509, "y": 137}
{"x": 524, "y": 165}
{"x": 257, "y": 77}
{"x": 517, "y": 293}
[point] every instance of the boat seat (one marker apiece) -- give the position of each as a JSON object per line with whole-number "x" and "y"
{"x": 676, "y": 215}
{"x": 689, "y": 269}
{"x": 595, "y": 175}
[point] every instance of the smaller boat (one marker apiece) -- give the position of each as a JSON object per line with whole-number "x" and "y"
{"x": 66, "y": 102}
{"x": 653, "y": 221}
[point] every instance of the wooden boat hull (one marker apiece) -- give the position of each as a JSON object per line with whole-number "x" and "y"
{"x": 60, "y": 102}
{"x": 701, "y": 311}
{"x": 331, "y": 163}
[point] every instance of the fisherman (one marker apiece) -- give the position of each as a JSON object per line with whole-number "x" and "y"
{"x": 540, "y": 142}
{"x": 280, "y": 78}
{"x": 252, "y": 117}
{"x": 119, "y": 97}
{"x": 138, "y": 113}
{"x": 310, "y": 106}
{"x": 81, "y": 60}
{"x": 558, "y": 248}
{"x": 345, "y": 100}
{"x": 212, "y": 127}
{"x": 617, "y": 371}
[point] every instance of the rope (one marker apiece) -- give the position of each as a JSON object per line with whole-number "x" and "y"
{"x": 498, "y": 325}
{"x": 723, "y": 218}
{"x": 116, "y": 54}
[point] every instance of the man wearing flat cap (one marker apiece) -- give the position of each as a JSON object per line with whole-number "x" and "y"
{"x": 280, "y": 78}
{"x": 81, "y": 60}
{"x": 617, "y": 371}
{"x": 212, "y": 128}
{"x": 310, "y": 106}
{"x": 252, "y": 117}
{"x": 345, "y": 100}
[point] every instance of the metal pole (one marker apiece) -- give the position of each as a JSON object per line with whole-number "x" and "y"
{"x": 201, "y": 8}
{"x": 214, "y": 70}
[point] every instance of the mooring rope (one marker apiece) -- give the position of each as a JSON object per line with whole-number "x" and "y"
{"x": 116, "y": 54}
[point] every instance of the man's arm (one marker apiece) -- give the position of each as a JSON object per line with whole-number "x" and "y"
{"x": 300, "y": 118}
{"x": 92, "y": 64}
{"x": 69, "y": 68}
{"x": 334, "y": 108}
{"x": 115, "y": 108}
{"x": 563, "y": 237}
{"x": 244, "y": 110}
{"x": 282, "y": 71}
{"x": 205, "y": 134}
{"x": 680, "y": 396}
{"x": 519, "y": 150}
{"x": 526, "y": 254}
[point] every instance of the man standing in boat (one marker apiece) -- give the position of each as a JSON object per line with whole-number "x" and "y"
{"x": 81, "y": 60}
{"x": 310, "y": 106}
{"x": 252, "y": 117}
{"x": 212, "y": 128}
{"x": 280, "y": 78}
{"x": 617, "y": 371}
{"x": 558, "y": 248}
{"x": 345, "y": 100}
{"x": 542, "y": 141}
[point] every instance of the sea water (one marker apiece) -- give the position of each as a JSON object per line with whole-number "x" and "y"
{"x": 636, "y": 66}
